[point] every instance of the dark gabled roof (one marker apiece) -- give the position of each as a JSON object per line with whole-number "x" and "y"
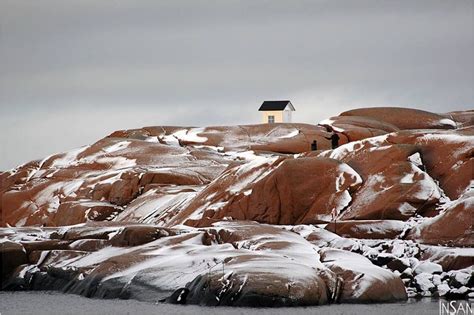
{"x": 275, "y": 105}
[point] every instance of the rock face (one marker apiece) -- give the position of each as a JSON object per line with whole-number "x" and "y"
{"x": 362, "y": 281}
{"x": 404, "y": 118}
{"x": 248, "y": 215}
{"x": 306, "y": 190}
{"x": 394, "y": 186}
{"x": 453, "y": 227}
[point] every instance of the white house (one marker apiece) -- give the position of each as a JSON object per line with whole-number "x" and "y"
{"x": 276, "y": 111}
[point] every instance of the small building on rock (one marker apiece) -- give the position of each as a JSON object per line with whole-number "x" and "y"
{"x": 276, "y": 112}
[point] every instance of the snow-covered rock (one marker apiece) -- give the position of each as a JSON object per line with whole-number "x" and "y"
{"x": 428, "y": 267}
{"x": 424, "y": 282}
{"x": 153, "y": 213}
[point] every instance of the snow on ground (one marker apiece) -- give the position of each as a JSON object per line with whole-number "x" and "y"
{"x": 170, "y": 140}
{"x": 68, "y": 158}
{"x": 426, "y": 188}
{"x": 448, "y": 122}
{"x": 152, "y": 206}
{"x": 255, "y": 168}
{"x": 344, "y": 197}
{"x": 117, "y": 146}
{"x": 292, "y": 134}
{"x": 184, "y": 135}
{"x": 70, "y": 188}
{"x": 117, "y": 162}
{"x": 190, "y": 135}
{"x": 330, "y": 122}
{"x": 415, "y": 158}
{"x": 348, "y": 148}
{"x": 347, "y": 170}
{"x": 71, "y": 158}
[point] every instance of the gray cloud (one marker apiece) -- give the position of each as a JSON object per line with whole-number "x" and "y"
{"x": 71, "y": 72}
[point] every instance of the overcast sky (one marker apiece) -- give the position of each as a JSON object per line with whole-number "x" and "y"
{"x": 72, "y": 72}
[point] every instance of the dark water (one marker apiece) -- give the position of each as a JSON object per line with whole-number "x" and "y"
{"x": 52, "y": 303}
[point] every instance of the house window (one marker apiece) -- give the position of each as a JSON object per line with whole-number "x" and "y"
{"x": 271, "y": 119}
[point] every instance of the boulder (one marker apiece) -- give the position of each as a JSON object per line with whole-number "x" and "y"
{"x": 399, "y": 265}
{"x": 393, "y": 186}
{"x": 42, "y": 245}
{"x": 89, "y": 245}
{"x": 356, "y": 128}
{"x": 424, "y": 283}
{"x": 255, "y": 289}
{"x": 448, "y": 257}
{"x": 363, "y": 282}
{"x": 462, "y": 118}
{"x": 428, "y": 267}
{"x": 12, "y": 255}
{"x": 453, "y": 227}
{"x": 74, "y": 212}
{"x": 135, "y": 235}
{"x": 367, "y": 229}
{"x": 404, "y": 118}
{"x": 447, "y": 156}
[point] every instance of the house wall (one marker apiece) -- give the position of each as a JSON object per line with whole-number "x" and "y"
{"x": 287, "y": 115}
{"x": 277, "y": 113}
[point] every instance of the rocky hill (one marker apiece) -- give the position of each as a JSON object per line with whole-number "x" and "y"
{"x": 249, "y": 215}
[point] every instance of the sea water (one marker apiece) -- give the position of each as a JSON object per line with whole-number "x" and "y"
{"x": 52, "y": 303}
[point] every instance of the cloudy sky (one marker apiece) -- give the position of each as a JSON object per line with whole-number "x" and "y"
{"x": 72, "y": 72}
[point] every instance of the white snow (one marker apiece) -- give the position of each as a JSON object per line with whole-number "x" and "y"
{"x": 170, "y": 140}
{"x": 424, "y": 281}
{"x": 330, "y": 122}
{"x": 415, "y": 158}
{"x": 256, "y": 168}
{"x": 447, "y": 121}
{"x": 117, "y": 146}
{"x": 187, "y": 135}
{"x": 463, "y": 277}
{"x": 443, "y": 288}
{"x": 210, "y": 147}
{"x": 94, "y": 258}
{"x": 152, "y": 139}
{"x": 348, "y": 148}
{"x": 151, "y": 207}
{"x": 248, "y": 192}
{"x": 69, "y": 188}
{"x": 347, "y": 170}
{"x": 407, "y": 179}
{"x": 428, "y": 267}
{"x": 190, "y": 135}
{"x": 69, "y": 158}
{"x": 117, "y": 162}
{"x": 292, "y": 134}
{"x": 407, "y": 209}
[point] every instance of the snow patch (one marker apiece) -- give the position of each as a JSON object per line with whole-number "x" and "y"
{"x": 292, "y": 134}
{"x": 448, "y": 122}
{"x": 190, "y": 135}
{"x": 415, "y": 158}
{"x": 117, "y": 162}
{"x": 117, "y": 146}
